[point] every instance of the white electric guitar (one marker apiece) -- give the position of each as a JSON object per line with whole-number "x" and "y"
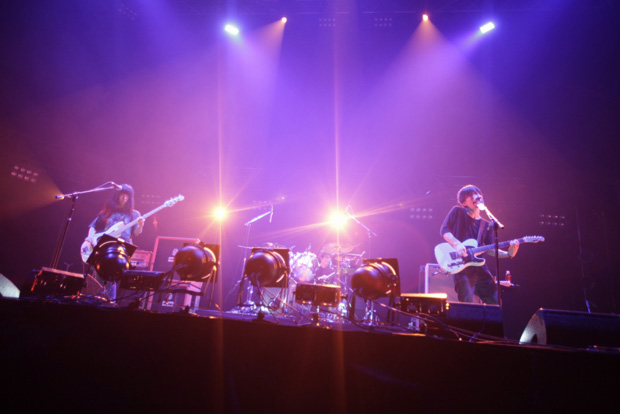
{"x": 450, "y": 261}
{"x": 117, "y": 229}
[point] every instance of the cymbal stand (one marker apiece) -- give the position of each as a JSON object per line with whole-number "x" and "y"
{"x": 370, "y": 318}
{"x": 249, "y": 302}
{"x": 368, "y": 231}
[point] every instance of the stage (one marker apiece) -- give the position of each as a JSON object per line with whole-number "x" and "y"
{"x": 70, "y": 356}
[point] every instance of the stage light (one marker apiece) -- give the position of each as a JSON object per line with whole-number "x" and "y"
{"x": 24, "y": 173}
{"x": 283, "y": 20}
{"x": 487, "y": 27}
{"x": 233, "y": 30}
{"x": 377, "y": 278}
{"x": 421, "y": 213}
{"x": 111, "y": 257}
{"x": 425, "y": 17}
{"x": 196, "y": 262}
{"x": 266, "y": 267}
{"x": 220, "y": 213}
{"x": 338, "y": 220}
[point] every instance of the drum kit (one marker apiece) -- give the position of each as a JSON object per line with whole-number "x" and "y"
{"x": 320, "y": 283}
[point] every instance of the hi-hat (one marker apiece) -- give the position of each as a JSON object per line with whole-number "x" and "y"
{"x": 334, "y": 248}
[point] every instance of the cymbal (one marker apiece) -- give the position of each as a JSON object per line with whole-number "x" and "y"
{"x": 335, "y": 248}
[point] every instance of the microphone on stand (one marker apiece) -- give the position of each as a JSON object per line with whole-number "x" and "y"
{"x": 116, "y": 186}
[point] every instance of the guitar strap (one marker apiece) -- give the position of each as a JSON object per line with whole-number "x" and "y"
{"x": 481, "y": 231}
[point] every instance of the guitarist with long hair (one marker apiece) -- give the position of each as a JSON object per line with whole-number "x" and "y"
{"x": 464, "y": 222}
{"x": 119, "y": 208}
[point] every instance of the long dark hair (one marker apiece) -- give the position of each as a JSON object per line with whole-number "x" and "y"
{"x": 113, "y": 204}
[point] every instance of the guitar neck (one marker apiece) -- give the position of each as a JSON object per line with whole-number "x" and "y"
{"x": 147, "y": 215}
{"x": 134, "y": 222}
{"x": 487, "y": 247}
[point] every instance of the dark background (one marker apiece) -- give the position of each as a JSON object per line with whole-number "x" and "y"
{"x": 352, "y": 109}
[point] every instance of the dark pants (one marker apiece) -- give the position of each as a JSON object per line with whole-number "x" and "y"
{"x": 475, "y": 281}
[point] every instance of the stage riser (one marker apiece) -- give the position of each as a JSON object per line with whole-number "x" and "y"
{"x": 79, "y": 357}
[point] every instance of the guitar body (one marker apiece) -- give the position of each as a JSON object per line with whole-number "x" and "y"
{"x": 87, "y": 247}
{"x": 451, "y": 262}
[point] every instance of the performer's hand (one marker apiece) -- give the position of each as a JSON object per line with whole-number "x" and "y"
{"x": 461, "y": 249}
{"x": 514, "y": 247}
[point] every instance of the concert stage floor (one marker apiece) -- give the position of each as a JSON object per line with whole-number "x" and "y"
{"x": 76, "y": 357}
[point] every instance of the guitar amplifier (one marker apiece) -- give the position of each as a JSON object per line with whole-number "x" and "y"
{"x": 438, "y": 281}
{"x": 141, "y": 259}
{"x": 165, "y": 249}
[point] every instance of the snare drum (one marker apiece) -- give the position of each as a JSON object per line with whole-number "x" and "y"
{"x": 318, "y": 295}
{"x": 303, "y": 266}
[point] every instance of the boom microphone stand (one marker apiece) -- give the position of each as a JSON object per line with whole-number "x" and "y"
{"x": 496, "y": 226}
{"x": 73, "y": 196}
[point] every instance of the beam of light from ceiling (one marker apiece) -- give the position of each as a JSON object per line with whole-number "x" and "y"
{"x": 247, "y": 71}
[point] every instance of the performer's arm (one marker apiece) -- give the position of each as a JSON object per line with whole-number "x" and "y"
{"x": 512, "y": 251}
{"x": 137, "y": 229}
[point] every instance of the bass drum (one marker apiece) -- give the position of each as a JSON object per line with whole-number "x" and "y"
{"x": 303, "y": 266}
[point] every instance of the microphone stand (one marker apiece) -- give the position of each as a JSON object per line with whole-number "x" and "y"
{"x": 73, "y": 196}
{"x": 496, "y": 226}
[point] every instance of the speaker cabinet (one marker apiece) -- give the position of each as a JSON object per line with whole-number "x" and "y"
{"x": 437, "y": 281}
{"x": 574, "y": 329}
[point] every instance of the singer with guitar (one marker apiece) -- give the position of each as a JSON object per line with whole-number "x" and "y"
{"x": 462, "y": 223}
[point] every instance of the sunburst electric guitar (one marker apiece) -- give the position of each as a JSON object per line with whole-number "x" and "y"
{"x": 449, "y": 260}
{"x": 117, "y": 229}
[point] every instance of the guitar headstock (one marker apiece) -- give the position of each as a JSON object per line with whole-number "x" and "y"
{"x": 174, "y": 200}
{"x": 533, "y": 239}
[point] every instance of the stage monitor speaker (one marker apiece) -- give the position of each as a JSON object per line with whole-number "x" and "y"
{"x": 7, "y": 288}
{"x": 484, "y": 319}
{"x": 438, "y": 281}
{"x": 54, "y": 282}
{"x": 573, "y": 329}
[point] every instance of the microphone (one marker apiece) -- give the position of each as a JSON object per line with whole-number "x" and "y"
{"x": 116, "y": 186}
{"x": 271, "y": 215}
{"x": 481, "y": 206}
